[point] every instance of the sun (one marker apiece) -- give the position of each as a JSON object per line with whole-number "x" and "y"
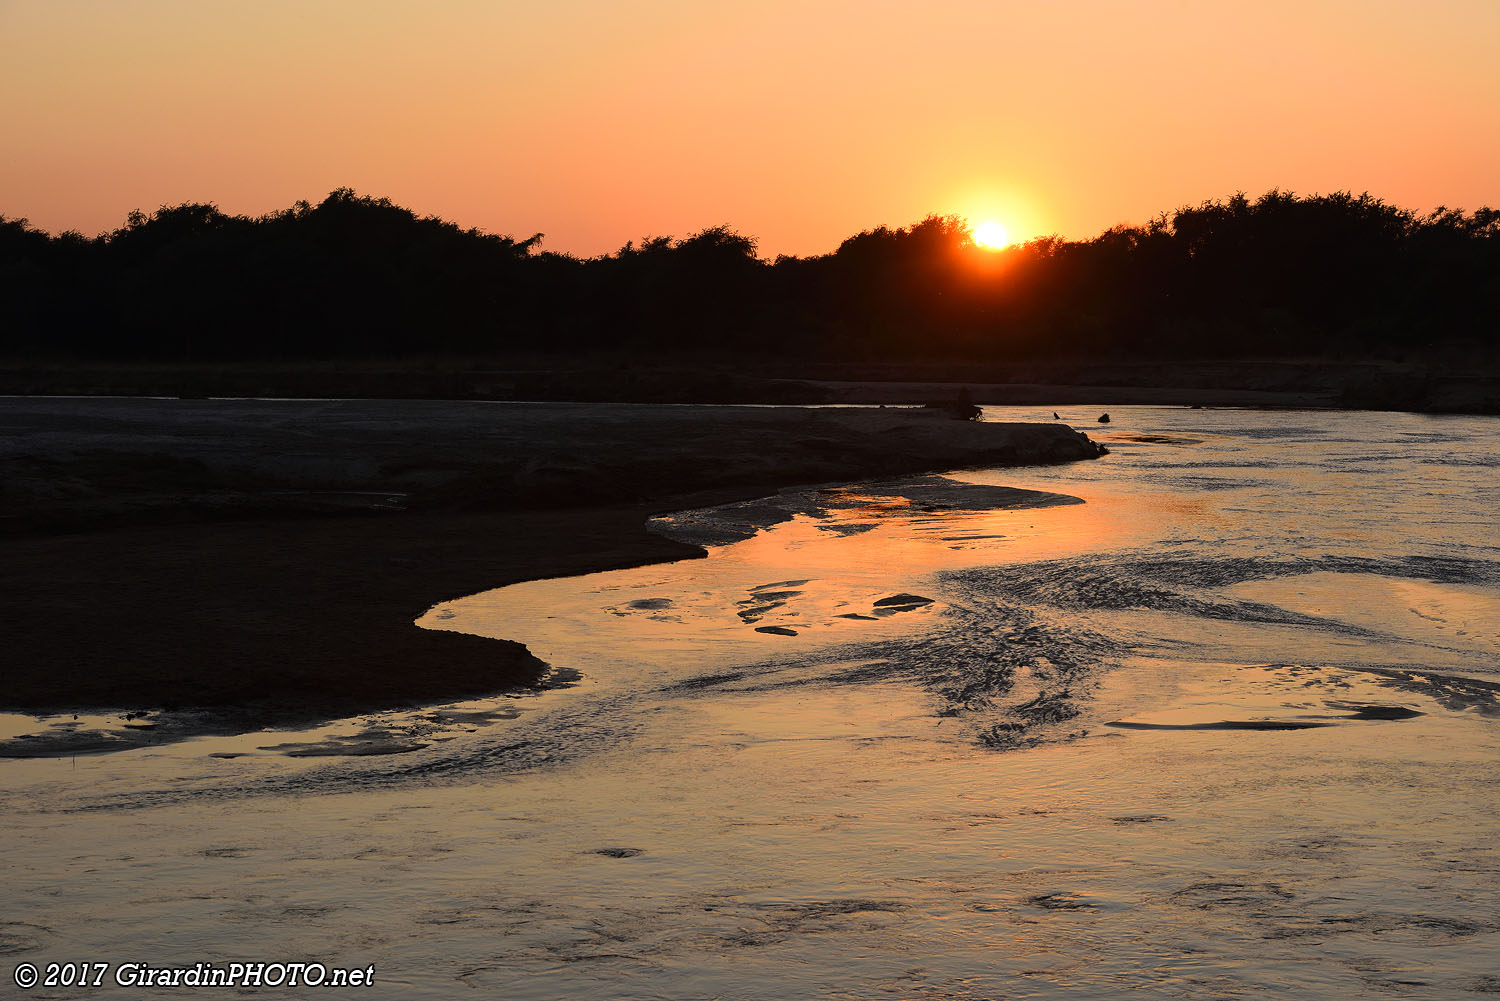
{"x": 991, "y": 236}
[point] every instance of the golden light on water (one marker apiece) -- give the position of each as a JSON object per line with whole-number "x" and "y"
{"x": 991, "y": 235}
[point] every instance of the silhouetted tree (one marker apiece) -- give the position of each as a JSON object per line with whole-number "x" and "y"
{"x": 355, "y": 276}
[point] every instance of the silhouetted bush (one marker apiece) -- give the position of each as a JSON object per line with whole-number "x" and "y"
{"x": 1327, "y": 276}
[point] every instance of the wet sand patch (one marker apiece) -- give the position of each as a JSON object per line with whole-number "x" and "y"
{"x": 651, "y": 603}
{"x": 1153, "y": 439}
{"x": 903, "y": 601}
{"x": 368, "y": 744}
{"x": 1272, "y": 698}
{"x": 1060, "y": 902}
{"x": 776, "y": 596}
{"x": 781, "y": 584}
{"x": 1142, "y": 818}
{"x": 1228, "y": 724}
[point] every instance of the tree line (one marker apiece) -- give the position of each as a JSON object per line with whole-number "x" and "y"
{"x": 353, "y": 276}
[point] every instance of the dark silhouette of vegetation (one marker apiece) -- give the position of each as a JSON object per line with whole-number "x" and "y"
{"x": 1329, "y": 276}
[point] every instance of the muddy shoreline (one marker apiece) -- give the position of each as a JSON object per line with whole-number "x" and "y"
{"x": 265, "y": 562}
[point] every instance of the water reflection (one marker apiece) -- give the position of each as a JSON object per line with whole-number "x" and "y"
{"x": 717, "y": 811}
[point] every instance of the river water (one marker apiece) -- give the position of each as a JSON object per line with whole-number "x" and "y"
{"x": 1214, "y": 715}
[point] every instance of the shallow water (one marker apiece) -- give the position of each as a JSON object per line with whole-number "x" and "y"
{"x": 1226, "y": 727}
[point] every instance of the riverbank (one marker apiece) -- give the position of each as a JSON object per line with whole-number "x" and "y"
{"x": 264, "y": 561}
{"x": 1442, "y": 384}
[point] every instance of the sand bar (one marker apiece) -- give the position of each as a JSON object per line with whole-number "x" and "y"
{"x": 264, "y": 560}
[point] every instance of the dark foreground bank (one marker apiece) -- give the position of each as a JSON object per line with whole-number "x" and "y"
{"x": 263, "y": 561}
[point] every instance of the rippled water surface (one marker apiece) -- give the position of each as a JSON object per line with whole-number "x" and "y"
{"x": 1212, "y": 716}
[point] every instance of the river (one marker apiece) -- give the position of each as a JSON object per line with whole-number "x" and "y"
{"x": 1214, "y": 715}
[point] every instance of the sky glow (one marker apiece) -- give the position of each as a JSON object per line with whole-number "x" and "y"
{"x": 799, "y": 124}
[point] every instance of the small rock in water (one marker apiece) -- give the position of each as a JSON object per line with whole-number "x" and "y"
{"x": 652, "y": 603}
{"x": 1383, "y": 712}
{"x": 1104, "y": 418}
{"x": 1060, "y": 902}
{"x": 778, "y": 630}
{"x": 902, "y": 600}
{"x": 618, "y": 852}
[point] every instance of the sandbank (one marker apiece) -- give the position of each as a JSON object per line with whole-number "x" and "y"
{"x": 250, "y": 563}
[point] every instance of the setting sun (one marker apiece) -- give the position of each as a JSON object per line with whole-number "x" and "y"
{"x": 991, "y": 236}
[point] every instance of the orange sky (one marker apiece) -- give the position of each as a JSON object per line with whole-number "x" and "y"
{"x": 799, "y": 123}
